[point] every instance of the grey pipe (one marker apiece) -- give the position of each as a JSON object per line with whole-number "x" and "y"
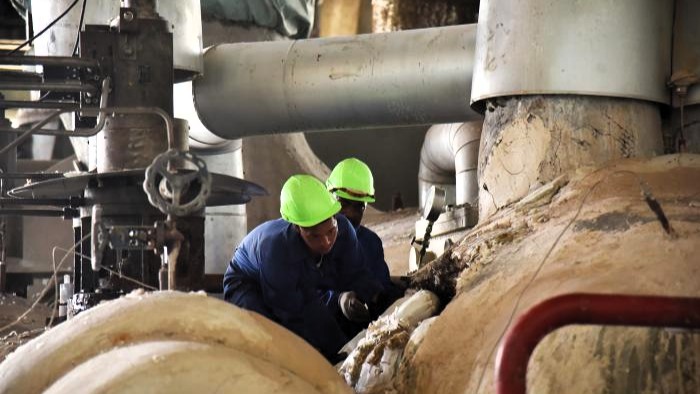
{"x": 618, "y": 48}
{"x": 410, "y": 77}
{"x": 449, "y": 157}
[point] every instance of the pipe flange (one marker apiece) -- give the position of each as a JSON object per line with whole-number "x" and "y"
{"x": 165, "y": 185}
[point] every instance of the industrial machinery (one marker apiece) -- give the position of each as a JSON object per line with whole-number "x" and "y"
{"x": 550, "y": 120}
{"x": 137, "y": 202}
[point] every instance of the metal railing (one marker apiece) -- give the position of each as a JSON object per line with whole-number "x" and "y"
{"x": 580, "y": 308}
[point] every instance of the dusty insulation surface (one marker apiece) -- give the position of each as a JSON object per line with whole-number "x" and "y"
{"x": 528, "y": 141}
{"x": 597, "y": 230}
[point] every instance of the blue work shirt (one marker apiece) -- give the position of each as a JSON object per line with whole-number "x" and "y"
{"x": 373, "y": 253}
{"x": 273, "y": 272}
{"x": 372, "y": 250}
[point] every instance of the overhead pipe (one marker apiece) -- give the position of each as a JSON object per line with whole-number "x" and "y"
{"x": 449, "y": 156}
{"x": 599, "y": 309}
{"x": 411, "y": 77}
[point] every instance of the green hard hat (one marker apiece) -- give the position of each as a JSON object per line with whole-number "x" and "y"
{"x": 304, "y": 201}
{"x": 352, "y": 179}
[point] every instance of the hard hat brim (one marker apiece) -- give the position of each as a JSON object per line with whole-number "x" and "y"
{"x": 348, "y": 196}
{"x": 332, "y": 210}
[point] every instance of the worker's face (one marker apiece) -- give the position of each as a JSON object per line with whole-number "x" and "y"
{"x": 353, "y": 210}
{"x": 321, "y": 237}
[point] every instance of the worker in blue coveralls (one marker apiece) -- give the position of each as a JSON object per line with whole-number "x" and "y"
{"x": 281, "y": 266}
{"x": 352, "y": 183}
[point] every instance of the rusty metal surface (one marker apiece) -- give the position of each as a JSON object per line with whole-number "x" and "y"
{"x": 129, "y": 142}
{"x": 597, "y": 47}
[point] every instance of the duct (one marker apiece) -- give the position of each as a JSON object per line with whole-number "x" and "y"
{"x": 202, "y": 141}
{"x": 449, "y": 157}
{"x": 600, "y": 48}
{"x": 389, "y": 79}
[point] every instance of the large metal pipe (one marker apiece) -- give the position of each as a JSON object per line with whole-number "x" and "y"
{"x": 449, "y": 156}
{"x": 599, "y": 48}
{"x": 389, "y": 79}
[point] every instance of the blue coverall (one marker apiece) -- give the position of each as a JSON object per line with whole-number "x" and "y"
{"x": 373, "y": 252}
{"x": 373, "y": 255}
{"x": 273, "y": 273}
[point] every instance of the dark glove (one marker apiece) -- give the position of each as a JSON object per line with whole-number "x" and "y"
{"x": 354, "y": 309}
{"x": 401, "y": 282}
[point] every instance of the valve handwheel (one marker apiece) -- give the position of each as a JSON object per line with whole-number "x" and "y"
{"x": 177, "y": 182}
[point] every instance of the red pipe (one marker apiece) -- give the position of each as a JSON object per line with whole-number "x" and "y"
{"x": 598, "y": 309}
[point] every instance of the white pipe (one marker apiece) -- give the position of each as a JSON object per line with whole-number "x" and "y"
{"x": 389, "y": 79}
{"x": 606, "y": 48}
{"x": 449, "y": 156}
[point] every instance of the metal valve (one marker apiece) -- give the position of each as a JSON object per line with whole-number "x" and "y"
{"x": 166, "y": 186}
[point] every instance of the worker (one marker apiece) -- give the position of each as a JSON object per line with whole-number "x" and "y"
{"x": 281, "y": 266}
{"x": 352, "y": 183}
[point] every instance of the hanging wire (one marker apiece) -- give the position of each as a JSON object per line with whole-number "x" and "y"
{"x": 46, "y": 288}
{"x": 80, "y": 26}
{"x": 29, "y": 41}
{"x": 119, "y": 274}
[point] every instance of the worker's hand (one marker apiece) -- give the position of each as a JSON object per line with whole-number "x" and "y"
{"x": 353, "y": 308}
{"x": 402, "y": 282}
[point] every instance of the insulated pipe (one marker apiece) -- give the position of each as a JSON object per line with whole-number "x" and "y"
{"x": 597, "y": 47}
{"x": 71, "y": 349}
{"x": 410, "y": 77}
{"x": 599, "y": 309}
{"x": 449, "y": 156}
{"x": 202, "y": 141}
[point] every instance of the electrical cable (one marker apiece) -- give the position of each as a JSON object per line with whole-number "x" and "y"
{"x": 43, "y": 292}
{"x": 120, "y": 275}
{"x": 80, "y": 26}
{"x": 29, "y": 41}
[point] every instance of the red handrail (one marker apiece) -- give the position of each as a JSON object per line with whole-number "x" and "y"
{"x": 597, "y": 309}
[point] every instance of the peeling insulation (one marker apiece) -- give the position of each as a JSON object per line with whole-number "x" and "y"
{"x": 600, "y": 231}
{"x": 559, "y": 134}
